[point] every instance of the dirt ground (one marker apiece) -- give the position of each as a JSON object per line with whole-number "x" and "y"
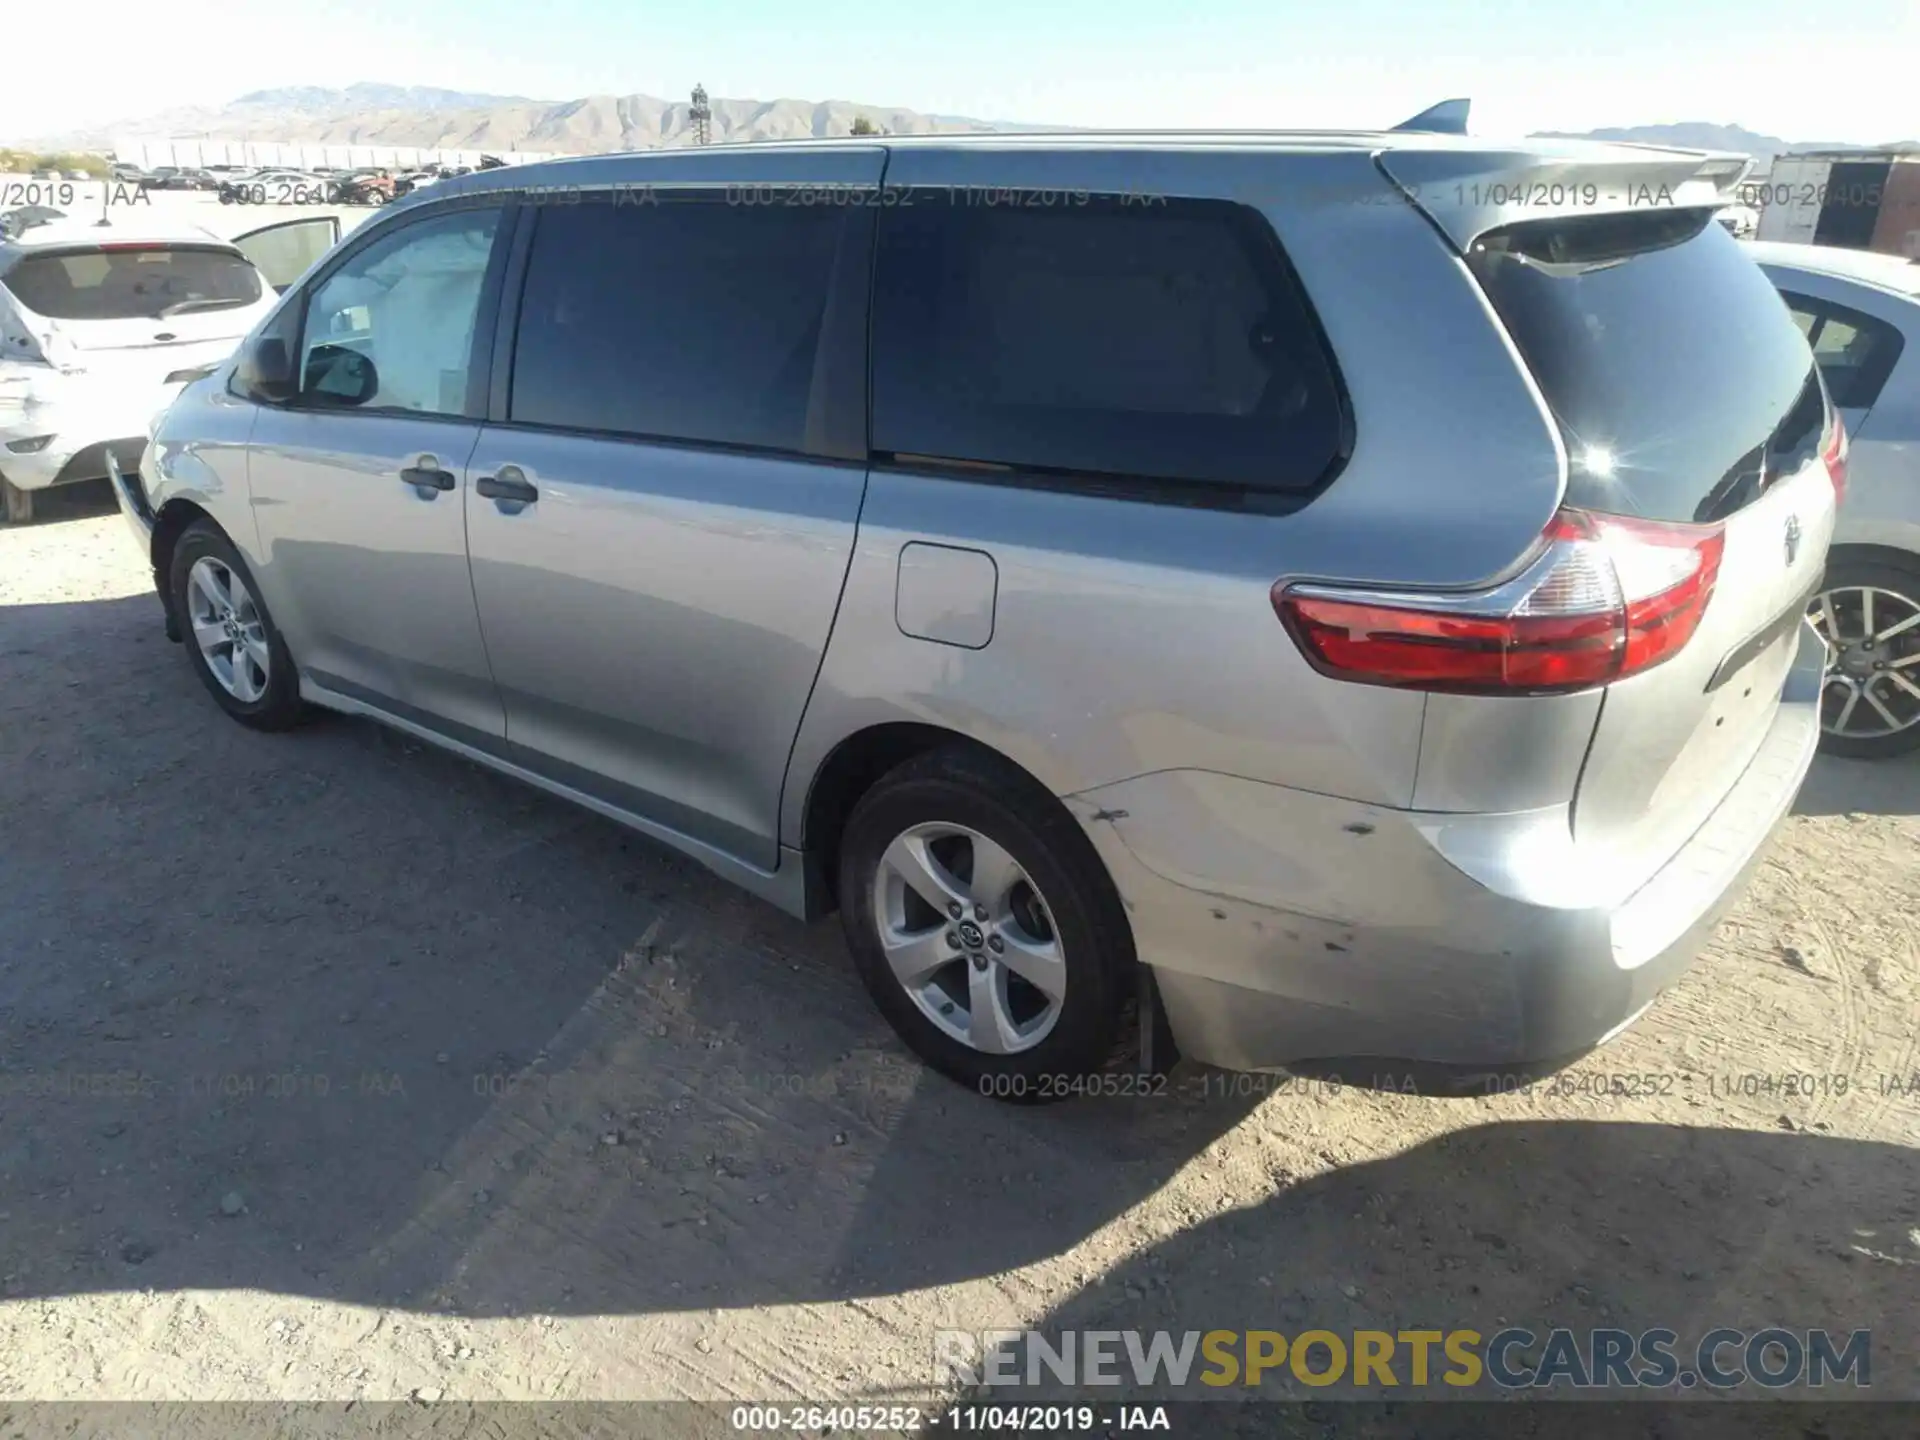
{"x": 332, "y": 1067}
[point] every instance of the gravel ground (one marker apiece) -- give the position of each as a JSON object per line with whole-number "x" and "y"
{"x": 338, "y": 1068}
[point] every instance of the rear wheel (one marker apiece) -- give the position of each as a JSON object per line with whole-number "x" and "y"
{"x": 984, "y": 925}
{"x": 1869, "y": 614}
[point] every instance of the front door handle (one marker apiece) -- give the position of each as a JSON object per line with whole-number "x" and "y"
{"x": 509, "y": 485}
{"x": 427, "y": 476}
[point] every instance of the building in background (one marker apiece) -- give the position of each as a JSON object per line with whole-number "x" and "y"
{"x": 1853, "y": 199}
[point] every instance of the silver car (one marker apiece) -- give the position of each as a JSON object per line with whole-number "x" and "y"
{"x": 1345, "y": 592}
{"x": 1861, "y": 313}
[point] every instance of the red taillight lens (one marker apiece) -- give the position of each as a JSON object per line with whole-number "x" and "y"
{"x": 1833, "y": 454}
{"x": 1606, "y": 597}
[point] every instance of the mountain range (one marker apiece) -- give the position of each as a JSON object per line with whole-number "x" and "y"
{"x": 372, "y": 114}
{"x": 433, "y": 118}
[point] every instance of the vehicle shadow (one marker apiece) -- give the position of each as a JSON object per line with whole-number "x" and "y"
{"x": 1540, "y": 1225}
{"x": 332, "y": 1013}
{"x": 1861, "y": 787}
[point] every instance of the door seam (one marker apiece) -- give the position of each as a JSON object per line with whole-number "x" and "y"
{"x": 473, "y": 591}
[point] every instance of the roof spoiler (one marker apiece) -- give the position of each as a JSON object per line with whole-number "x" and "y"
{"x": 1449, "y": 117}
{"x": 1724, "y": 170}
{"x": 1467, "y": 192}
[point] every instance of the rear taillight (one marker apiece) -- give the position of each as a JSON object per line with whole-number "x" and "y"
{"x": 1604, "y": 598}
{"x": 1833, "y": 454}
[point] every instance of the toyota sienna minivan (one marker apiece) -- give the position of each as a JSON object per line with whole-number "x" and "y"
{"x": 1357, "y": 577}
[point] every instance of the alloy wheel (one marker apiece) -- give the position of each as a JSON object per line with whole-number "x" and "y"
{"x": 970, "y": 938}
{"x": 1872, "y": 685}
{"x": 229, "y": 629}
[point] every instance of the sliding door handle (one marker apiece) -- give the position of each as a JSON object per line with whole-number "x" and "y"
{"x": 509, "y": 486}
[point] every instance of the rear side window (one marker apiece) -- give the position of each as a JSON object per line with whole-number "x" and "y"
{"x": 132, "y": 283}
{"x": 1855, "y": 352}
{"x": 685, "y": 319}
{"x": 1164, "y": 341}
{"x": 1679, "y": 380}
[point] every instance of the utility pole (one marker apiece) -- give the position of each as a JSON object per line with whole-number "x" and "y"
{"x": 701, "y": 116}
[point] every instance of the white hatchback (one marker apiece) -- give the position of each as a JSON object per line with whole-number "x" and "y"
{"x": 101, "y": 325}
{"x": 1860, "y": 311}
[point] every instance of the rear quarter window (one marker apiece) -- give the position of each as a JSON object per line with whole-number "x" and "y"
{"x": 132, "y": 284}
{"x": 1109, "y": 339}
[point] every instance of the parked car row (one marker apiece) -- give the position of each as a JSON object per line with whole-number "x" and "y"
{"x": 279, "y": 185}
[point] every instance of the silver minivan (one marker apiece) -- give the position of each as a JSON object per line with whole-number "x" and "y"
{"x": 1342, "y": 593}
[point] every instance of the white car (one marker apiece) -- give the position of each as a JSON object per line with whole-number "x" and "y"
{"x": 101, "y": 326}
{"x": 1860, "y": 311}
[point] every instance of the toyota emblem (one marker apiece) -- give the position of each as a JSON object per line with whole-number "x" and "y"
{"x": 1793, "y": 538}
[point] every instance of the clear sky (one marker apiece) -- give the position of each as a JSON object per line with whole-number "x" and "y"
{"x": 1802, "y": 70}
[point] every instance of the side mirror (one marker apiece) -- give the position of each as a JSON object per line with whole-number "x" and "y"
{"x": 340, "y": 376}
{"x": 265, "y": 370}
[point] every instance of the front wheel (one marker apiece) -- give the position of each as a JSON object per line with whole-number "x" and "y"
{"x": 984, "y": 925}
{"x": 1869, "y": 614}
{"x": 232, "y": 642}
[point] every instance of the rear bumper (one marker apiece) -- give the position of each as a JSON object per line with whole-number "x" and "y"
{"x": 1285, "y": 927}
{"x": 81, "y": 417}
{"x": 62, "y": 464}
{"x": 77, "y": 439}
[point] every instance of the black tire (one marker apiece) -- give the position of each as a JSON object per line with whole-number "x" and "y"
{"x": 970, "y": 788}
{"x": 279, "y": 706}
{"x": 1900, "y": 574}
